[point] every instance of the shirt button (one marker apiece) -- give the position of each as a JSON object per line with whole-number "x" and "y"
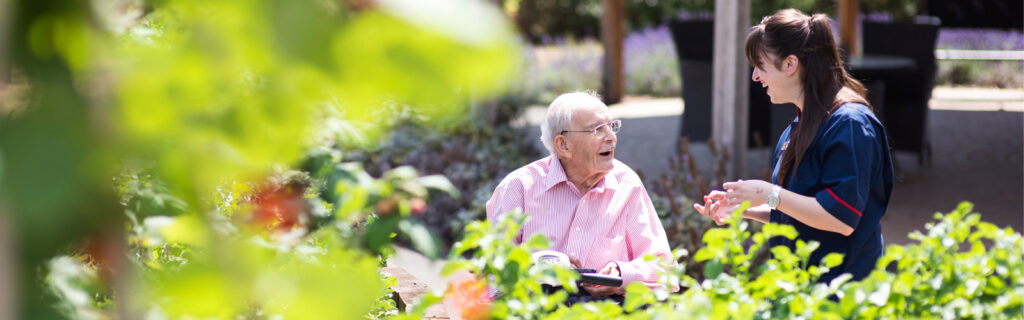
{"x": 577, "y": 228}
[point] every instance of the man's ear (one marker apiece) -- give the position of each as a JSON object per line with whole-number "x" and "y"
{"x": 561, "y": 146}
{"x": 791, "y": 65}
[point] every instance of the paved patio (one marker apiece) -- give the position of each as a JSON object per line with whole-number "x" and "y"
{"x": 977, "y": 137}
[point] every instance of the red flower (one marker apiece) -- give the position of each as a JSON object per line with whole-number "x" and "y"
{"x": 104, "y": 254}
{"x": 417, "y": 206}
{"x": 280, "y": 207}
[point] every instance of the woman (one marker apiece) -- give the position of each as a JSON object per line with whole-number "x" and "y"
{"x": 833, "y": 172}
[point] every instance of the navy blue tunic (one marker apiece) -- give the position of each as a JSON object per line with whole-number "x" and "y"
{"x": 848, "y": 169}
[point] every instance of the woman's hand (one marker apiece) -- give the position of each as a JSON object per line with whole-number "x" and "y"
{"x": 716, "y": 206}
{"x": 754, "y": 191}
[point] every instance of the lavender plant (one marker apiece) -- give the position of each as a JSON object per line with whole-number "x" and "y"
{"x": 999, "y": 73}
{"x": 559, "y": 65}
{"x": 651, "y": 65}
{"x": 980, "y": 39}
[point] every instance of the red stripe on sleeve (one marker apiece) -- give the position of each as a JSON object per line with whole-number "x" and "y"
{"x": 848, "y": 206}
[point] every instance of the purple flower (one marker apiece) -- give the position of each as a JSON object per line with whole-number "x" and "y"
{"x": 980, "y": 39}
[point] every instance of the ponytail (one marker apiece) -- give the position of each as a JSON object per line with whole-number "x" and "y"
{"x": 826, "y": 84}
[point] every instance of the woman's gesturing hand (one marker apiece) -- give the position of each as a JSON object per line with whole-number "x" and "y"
{"x": 754, "y": 191}
{"x": 716, "y": 206}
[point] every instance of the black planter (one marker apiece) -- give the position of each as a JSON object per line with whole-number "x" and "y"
{"x": 694, "y": 42}
{"x": 907, "y": 93}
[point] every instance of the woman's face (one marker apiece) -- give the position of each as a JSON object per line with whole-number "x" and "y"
{"x": 781, "y": 83}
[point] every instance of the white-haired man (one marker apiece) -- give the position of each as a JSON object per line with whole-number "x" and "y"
{"x": 589, "y": 205}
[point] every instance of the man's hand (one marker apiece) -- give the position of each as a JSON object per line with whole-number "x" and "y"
{"x": 575, "y": 262}
{"x": 611, "y": 269}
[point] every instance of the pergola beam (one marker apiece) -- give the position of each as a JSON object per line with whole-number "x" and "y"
{"x": 612, "y": 33}
{"x": 848, "y": 11}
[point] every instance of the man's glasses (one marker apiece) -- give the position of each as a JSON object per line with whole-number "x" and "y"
{"x": 612, "y": 126}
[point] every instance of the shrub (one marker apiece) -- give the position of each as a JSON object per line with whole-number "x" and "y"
{"x": 676, "y": 190}
{"x": 1000, "y": 74}
{"x": 960, "y": 268}
{"x": 983, "y": 73}
{"x": 473, "y": 155}
{"x": 329, "y": 227}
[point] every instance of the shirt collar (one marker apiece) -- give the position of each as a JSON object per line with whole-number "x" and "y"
{"x": 556, "y": 175}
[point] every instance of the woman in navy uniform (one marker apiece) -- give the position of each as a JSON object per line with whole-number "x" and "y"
{"x": 833, "y": 174}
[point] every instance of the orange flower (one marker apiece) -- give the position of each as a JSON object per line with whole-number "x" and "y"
{"x": 472, "y": 298}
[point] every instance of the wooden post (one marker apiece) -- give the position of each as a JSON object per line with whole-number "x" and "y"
{"x": 612, "y": 32}
{"x": 848, "y": 10}
{"x": 5, "y": 41}
{"x": 730, "y": 81}
{"x": 8, "y": 267}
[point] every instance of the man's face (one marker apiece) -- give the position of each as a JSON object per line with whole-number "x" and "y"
{"x": 591, "y": 154}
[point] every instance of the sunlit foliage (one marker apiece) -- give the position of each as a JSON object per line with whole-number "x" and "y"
{"x": 199, "y": 104}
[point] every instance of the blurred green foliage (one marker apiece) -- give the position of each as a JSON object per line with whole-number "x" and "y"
{"x": 199, "y": 102}
{"x": 999, "y": 74}
{"x": 959, "y": 268}
{"x": 488, "y": 252}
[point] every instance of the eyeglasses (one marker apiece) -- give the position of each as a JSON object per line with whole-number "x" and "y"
{"x": 612, "y": 126}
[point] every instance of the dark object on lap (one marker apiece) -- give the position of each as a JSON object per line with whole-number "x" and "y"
{"x": 582, "y": 296}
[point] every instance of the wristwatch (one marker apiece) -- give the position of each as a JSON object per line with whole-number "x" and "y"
{"x": 773, "y": 197}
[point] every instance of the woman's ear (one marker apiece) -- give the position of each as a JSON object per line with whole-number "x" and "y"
{"x": 791, "y": 65}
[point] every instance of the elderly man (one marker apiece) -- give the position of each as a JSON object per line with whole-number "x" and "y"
{"x": 589, "y": 205}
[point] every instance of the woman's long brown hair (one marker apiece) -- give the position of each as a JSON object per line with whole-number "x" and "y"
{"x": 826, "y": 85}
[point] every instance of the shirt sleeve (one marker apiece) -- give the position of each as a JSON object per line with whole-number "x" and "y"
{"x": 849, "y": 155}
{"x": 506, "y": 197}
{"x": 644, "y": 236}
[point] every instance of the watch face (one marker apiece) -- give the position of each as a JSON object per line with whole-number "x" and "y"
{"x": 773, "y": 201}
{"x": 773, "y": 198}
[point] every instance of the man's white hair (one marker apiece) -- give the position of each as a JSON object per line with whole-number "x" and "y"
{"x": 560, "y": 112}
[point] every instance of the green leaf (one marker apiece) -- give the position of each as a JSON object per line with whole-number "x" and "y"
{"x": 712, "y": 269}
{"x": 352, "y": 199}
{"x": 422, "y": 240}
{"x": 838, "y": 281}
{"x": 438, "y": 182}
{"x": 425, "y": 301}
{"x": 378, "y": 232}
{"x": 881, "y": 295}
{"x": 537, "y": 242}
{"x": 452, "y": 266}
{"x": 510, "y": 275}
{"x": 637, "y": 295}
{"x": 833, "y": 260}
{"x": 403, "y": 173}
{"x": 704, "y": 254}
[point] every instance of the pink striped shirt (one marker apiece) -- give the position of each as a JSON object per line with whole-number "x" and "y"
{"x": 613, "y": 222}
